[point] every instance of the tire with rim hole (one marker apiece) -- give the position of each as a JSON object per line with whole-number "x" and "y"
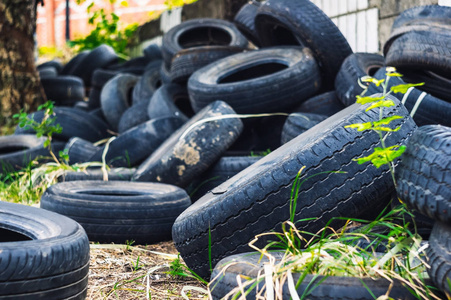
{"x": 298, "y": 123}
{"x": 200, "y": 32}
{"x": 74, "y": 123}
{"x": 354, "y": 67}
{"x": 419, "y": 18}
{"x": 64, "y": 90}
{"x": 267, "y": 80}
{"x": 117, "y": 211}
{"x": 192, "y": 148}
{"x": 43, "y": 255}
{"x": 424, "y": 174}
{"x": 244, "y": 21}
{"x": 80, "y": 150}
{"x": 323, "y": 104}
{"x": 133, "y": 116}
{"x": 115, "y": 97}
{"x": 424, "y": 50}
{"x": 223, "y": 169}
{"x": 17, "y": 151}
{"x": 116, "y": 174}
{"x": 302, "y": 23}
{"x": 439, "y": 254}
{"x": 248, "y": 266}
{"x": 257, "y": 199}
{"x": 425, "y": 108}
{"x": 99, "y": 57}
{"x": 168, "y": 101}
{"x": 188, "y": 61}
{"x": 133, "y": 146}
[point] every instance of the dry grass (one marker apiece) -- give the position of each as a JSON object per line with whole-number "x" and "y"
{"x": 140, "y": 272}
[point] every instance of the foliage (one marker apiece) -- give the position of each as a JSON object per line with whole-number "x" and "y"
{"x": 177, "y": 3}
{"x": 107, "y": 30}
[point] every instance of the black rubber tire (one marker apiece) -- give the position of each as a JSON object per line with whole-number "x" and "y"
{"x": 117, "y": 211}
{"x": 79, "y": 150}
{"x": 99, "y": 57}
{"x": 187, "y": 154}
{"x": 115, "y": 97}
{"x": 54, "y": 63}
{"x": 439, "y": 254}
{"x": 188, "y": 61}
{"x": 153, "y": 52}
{"x": 147, "y": 84}
{"x": 244, "y": 21}
{"x": 300, "y": 22}
{"x": 81, "y": 105}
{"x": 354, "y": 67}
{"x": 257, "y": 200}
{"x": 323, "y": 104}
{"x": 94, "y": 98}
{"x": 164, "y": 102}
{"x": 116, "y": 174}
{"x": 136, "y": 144}
{"x": 74, "y": 122}
{"x": 424, "y": 174}
{"x": 260, "y": 81}
{"x": 419, "y": 18}
{"x": 17, "y": 151}
{"x": 200, "y": 32}
{"x": 64, "y": 90}
{"x": 298, "y": 123}
{"x": 135, "y": 66}
{"x": 225, "y": 168}
{"x": 165, "y": 75}
{"x": 47, "y": 72}
{"x": 250, "y": 266}
{"x": 101, "y": 76}
{"x": 431, "y": 110}
{"x": 43, "y": 255}
{"x": 434, "y": 84}
{"x": 71, "y": 64}
{"x": 133, "y": 116}
{"x": 424, "y": 50}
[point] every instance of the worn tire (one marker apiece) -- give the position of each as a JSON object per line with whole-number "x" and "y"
{"x": 116, "y": 174}
{"x": 64, "y": 90}
{"x": 200, "y": 32}
{"x": 153, "y": 52}
{"x": 250, "y": 266}
{"x": 133, "y": 146}
{"x": 165, "y": 100}
{"x": 439, "y": 254}
{"x": 191, "y": 150}
{"x": 260, "y": 81}
{"x": 354, "y": 67}
{"x": 79, "y": 150}
{"x": 115, "y": 97}
{"x": 323, "y": 104}
{"x": 424, "y": 174}
{"x": 17, "y": 151}
{"x": 300, "y": 22}
{"x": 74, "y": 122}
{"x": 244, "y": 21}
{"x": 71, "y": 64}
{"x": 117, "y": 211}
{"x": 133, "y": 116}
{"x": 256, "y": 200}
{"x": 188, "y": 61}
{"x": 54, "y": 63}
{"x": 147, "y": 84}
{"x": 43, "y": 255}
{"x": 298, "y": 123}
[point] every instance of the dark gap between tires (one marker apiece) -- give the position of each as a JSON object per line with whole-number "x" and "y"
{"x": 7, "y": 235}
{"x": 11, "y": 149}
{"x": 253, "y": 72}
{"x": 204, "y": 36}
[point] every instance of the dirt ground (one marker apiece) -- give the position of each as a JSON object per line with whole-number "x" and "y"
{"x": 139, "y": 272}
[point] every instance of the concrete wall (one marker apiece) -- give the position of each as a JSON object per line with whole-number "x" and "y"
{"x": 365, "y": 23}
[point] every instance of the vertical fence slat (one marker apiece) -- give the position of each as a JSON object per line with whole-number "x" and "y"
{"x": 372, "y": 30}
{"x": 361, "y": 32}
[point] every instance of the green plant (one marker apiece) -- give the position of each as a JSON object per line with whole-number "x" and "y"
{"x": 46, "y": 127}
{"x": 384, "y": 155}
{"x": 107, "y": 30}
{"x": 178, "y": 269}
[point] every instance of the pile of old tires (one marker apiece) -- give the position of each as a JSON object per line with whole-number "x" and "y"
{"x": 182, "y": 121}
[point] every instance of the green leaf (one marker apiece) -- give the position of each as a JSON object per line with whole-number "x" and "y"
{"x": 381, "y": 103}
{"x": 368, "y": 99}
{"x": 402, "y": 88}
{"x": 394, "y": 74}
{"x": 382, "y": 156}
{"x": 370, "y": 79}
{"x": 360, "y": 126}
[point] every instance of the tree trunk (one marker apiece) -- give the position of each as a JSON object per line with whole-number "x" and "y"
{"x": 20, "y": 87}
